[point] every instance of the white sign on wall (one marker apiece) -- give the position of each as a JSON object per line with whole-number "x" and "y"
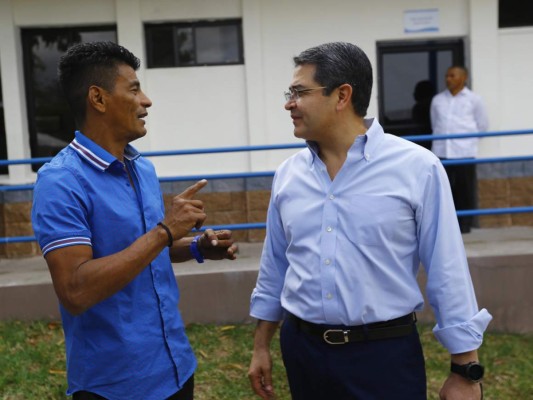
{"x": 415, "y": 21}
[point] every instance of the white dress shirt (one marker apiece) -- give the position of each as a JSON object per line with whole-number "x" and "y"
{"x": 348, "y": 251}
{"x": 462, "y": 113}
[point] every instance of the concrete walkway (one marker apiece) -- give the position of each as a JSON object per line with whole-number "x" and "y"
{"x": 478, "y": 243}
{"x": 501, "y": 263}
{"x": 34, "y": 271}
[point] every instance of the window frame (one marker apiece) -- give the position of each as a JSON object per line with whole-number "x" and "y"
{"x": 27, "y": 35}
{"x": 455, "y": 45}
{"x": 514, "y": 14}
{"x": 150, "y": 62}
{"x": 3, "y": 134}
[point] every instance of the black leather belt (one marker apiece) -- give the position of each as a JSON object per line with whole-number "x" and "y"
{"x": 335, "y": 334}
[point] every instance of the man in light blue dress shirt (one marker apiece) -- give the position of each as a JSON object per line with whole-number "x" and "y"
{"x": 350, "y": 220}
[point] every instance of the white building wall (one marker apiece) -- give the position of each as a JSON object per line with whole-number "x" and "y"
{"x": 52, "y": 13}
{"x": 515, "y": 81}
{"x": 239, "y": 105}
{"x": 16, "y": 124}
{"x": 196, "y": 107}
{"x": 290, "y": 27}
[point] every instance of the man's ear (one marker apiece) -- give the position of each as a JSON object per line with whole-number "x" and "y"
{"x": 96, "y": 98}
{"x": 344, "y": 96}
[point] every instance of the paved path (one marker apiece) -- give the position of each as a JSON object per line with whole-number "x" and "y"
{"x": 478, "y": 243}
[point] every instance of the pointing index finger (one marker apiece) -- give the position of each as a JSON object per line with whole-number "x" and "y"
{"x": 193, "y": 189}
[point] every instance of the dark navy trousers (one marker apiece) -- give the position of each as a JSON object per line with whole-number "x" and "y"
{"x": 381, "y": 370}
{"x": 186, "y": 393}
{"x": 463, "y": 182}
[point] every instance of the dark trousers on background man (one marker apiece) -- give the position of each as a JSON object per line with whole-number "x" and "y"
{"x": 186, "y": 393}
{"x": 463, "y": 181}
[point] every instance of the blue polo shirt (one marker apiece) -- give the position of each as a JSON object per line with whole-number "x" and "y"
{"x": 134, "y": 342}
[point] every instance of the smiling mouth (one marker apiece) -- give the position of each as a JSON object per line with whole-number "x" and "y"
{"x": 295, "y": 119}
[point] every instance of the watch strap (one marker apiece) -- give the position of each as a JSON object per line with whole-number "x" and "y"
{"x": 465, "y": 370}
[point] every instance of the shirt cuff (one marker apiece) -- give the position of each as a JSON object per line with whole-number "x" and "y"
{"x": 466, "y": 336}
{"x": 70, "y": 241}
{"x": 265, "y": 307}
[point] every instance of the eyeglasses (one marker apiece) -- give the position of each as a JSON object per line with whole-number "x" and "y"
{"x": 294, "y": 94}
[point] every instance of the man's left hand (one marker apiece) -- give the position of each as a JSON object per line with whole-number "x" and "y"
{"x": 458, "y": 388}
{"x": 217, "y": 245}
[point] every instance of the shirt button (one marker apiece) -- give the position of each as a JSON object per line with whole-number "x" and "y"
{"x": 367, "y": 157}
{"x": 327, "y": 261}
{"x": 329, "y": 296}
{"x": 331, "y": 197}
{"x": 329, "y": 229}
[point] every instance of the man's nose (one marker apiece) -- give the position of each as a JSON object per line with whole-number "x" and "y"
{"x": 146, "y": 101}
{"x": 290, "y": 104}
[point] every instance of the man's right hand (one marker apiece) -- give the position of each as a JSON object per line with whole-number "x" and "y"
{"x": 81, "y": 281}
{"x": 186, "y": 212}
{"x": 260, "y": 374}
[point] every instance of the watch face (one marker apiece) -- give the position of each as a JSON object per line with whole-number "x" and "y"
{"x": 475, "y": 372}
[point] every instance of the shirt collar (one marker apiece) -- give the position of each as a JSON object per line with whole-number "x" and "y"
{"x": 371, "y": 140}
{"x": 374, "y": 135}
{"x": 95, "y": 155}
{"x": 462, "y": 92}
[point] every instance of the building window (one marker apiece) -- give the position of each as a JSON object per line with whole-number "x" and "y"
{"x": 515, "y": 13}
{"x": 3, "y": 143}
{"x": 409, "y": 74}
{"x": 194, "y": 43}
{"x": 51, "y": 125}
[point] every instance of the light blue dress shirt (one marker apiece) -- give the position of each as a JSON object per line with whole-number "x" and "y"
{"x": 132, "y": 344}
{"x": 348, "y": 251}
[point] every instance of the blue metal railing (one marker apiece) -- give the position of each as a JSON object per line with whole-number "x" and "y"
{"x": 237, "y": 175}
{"x": 234, "y": 149}
{"x": 246, "y": 226}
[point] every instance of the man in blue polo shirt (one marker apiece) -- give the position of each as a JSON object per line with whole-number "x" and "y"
{"x": 99, "y": 218}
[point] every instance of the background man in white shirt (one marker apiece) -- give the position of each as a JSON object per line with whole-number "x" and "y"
{"x": 458, "y": 110}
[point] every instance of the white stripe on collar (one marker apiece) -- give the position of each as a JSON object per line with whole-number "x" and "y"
{"x": 89, "y": 155}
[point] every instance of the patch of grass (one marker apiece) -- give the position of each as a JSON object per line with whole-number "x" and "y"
{"x": 224, "y": 354}
{"x": 32, "y": 362}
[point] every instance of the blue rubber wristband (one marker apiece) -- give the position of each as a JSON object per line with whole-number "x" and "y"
{"x": 195, "y": 251}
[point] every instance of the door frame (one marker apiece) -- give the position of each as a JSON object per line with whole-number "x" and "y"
{"x": 456, "y": 45}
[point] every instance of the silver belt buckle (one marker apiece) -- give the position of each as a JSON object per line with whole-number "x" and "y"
{"x": 346, "y": 339}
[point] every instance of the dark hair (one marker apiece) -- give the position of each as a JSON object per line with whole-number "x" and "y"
{"x": 87, "y": 64}
{"x": 339, "y": 63}
{"x": 461, "y": 67}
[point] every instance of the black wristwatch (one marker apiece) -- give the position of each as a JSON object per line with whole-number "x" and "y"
{"x": 473, "y": 371}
